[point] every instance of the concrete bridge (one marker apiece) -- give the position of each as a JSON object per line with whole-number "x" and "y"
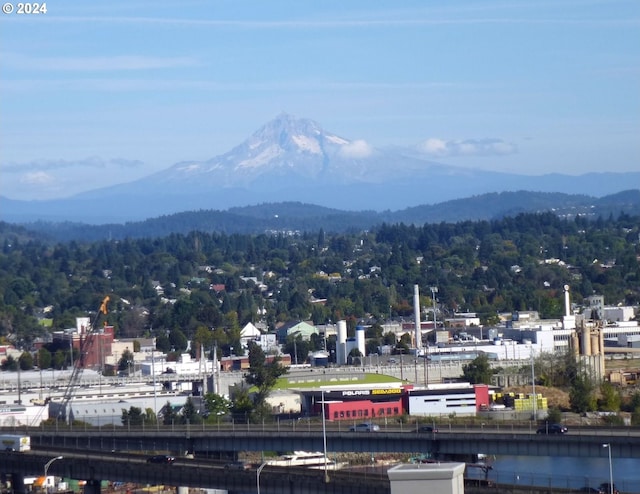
{"x": 448, "y": 443}
{"x": 187, "y": 473}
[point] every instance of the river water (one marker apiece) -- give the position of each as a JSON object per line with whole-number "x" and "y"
{"x": 564, "y": 472}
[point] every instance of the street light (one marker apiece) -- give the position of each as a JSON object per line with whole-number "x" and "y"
{"x": 608, "y": 446}
{"x": 533, "y": 385}
{"x": 264, "y": 464}
{"x": 324, "y": 440}
{"x": 46, "y": 469}
{"x": 434, "y": 290}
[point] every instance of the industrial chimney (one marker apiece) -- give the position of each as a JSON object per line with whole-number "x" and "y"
{"x": 416, "y": 314}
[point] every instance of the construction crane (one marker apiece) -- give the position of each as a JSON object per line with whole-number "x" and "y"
{"x": 78, "y": 365}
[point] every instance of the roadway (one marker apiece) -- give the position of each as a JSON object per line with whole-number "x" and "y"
{"x": 119, "y": 467}
{"x": 450, "y": 441}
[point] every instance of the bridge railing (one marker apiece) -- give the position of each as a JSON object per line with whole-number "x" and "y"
{"x": 439, "y": 425}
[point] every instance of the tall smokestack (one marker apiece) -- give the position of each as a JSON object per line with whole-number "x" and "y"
{"x": 569, "y": 320}
{"x": 341, "y": 344}
{"x": 567, "y": 304}
{"x": 416, "y": 314}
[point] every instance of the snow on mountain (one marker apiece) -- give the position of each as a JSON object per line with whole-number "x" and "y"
{"x": 286, "y": 148}
{"x": 292, "y": 159}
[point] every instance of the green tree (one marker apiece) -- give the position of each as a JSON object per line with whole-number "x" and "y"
{"x": 298, "y": 348}
{"x": 233, "y": 333}
{"x": 132, "y": 417}
{"x": 216, "y": 406}
{"x": 163, "y": 344}
{"x": 581, "y": 394}
{"x": 59, "y": 359}
{"x": 25, "y": 361}
{"x": 262, "y": 375}
{"x": 178, "y": 340}
{"x": 554, "y": 415}
{"x": 355, "y": 357}
{"x": 478, "y": 371}
{"x": 150, "y": 417}
{"x": 189, "y": 413}
{"x": 169, "y": 415}
{"x": 610, "y": 399}
{"x": 126, "y": 361}
{"x": 203, "y": 338}
{"x": 44, "y": 358}
{"x": 9, "y": 364}
{"x": 242, "y": 407}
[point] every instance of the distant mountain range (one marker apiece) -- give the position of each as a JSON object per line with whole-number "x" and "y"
{"x": 294, "y": 160}
{"x": 299, "y": 217}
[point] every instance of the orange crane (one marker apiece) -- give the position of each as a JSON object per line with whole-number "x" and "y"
{"x": 78, "y": 365}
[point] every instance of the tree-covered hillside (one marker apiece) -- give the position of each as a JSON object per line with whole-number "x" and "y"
{"x": 180, "y": 284}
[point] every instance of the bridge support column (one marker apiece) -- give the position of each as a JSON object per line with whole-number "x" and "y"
{"x": 17, "y": 484}
{"x": 92, "y": 487}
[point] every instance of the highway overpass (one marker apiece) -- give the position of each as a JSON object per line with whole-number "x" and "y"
{"x": 452, "y": 442}
{"x": 95, "y": 466}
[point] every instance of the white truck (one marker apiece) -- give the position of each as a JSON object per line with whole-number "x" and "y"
{"x": 14, "y": 442}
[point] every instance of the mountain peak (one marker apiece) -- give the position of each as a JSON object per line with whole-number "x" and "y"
{"x": 289, "y": 134}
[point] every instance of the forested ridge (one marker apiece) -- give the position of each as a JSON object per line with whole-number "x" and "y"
{"x": 301, "y": 217}
{"x": 181, "y": 283}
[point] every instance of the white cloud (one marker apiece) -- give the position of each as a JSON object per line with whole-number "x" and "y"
{"x": 51, "y": 164}
{"x": 434, "y": 146}
{"x": 356, "y": 149}
{"x": 467, "y": 147}
{"x": 37, "y": 178}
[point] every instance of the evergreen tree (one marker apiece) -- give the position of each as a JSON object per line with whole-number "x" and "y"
{"x": 610, "y": 399}
{"x": 189, "y": 413}
{"x": 44, "y": 358}
{"x": 169, "y": 415}
{"x": 25, "y": 361}
{"x": 126, "y": 361}
{"x": 132, "y": 417}
{"x": 581, "y": 394}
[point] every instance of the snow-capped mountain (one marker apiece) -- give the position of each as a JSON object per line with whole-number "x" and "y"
{"x": 290, "y": 151}
{"x": 294, "y": 159}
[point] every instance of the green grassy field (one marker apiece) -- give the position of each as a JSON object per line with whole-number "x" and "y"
{"x": 316, "y": 381}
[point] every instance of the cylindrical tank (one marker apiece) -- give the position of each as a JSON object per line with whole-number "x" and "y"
{"x": 595, "y": 344}
{"x": 601, "y": 334}
{"x": 341, "y": 356}
{"x": 586, "y": 342}
{"x": 575, "y": 345}
{"x": 360, "y": 340}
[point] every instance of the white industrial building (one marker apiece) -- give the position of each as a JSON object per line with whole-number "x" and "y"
{"x": 440, "y": 400}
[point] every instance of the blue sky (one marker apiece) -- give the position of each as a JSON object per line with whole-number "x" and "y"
{"x": 97, "y": 93}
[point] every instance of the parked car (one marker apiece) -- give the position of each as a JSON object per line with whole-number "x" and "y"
{"x": 427, "y": 428}
{"x": 161, "y": 459}
{"x": 605, "y": 488}
{"x": 364, "y": 427}
{"x": 552, "y": 429}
